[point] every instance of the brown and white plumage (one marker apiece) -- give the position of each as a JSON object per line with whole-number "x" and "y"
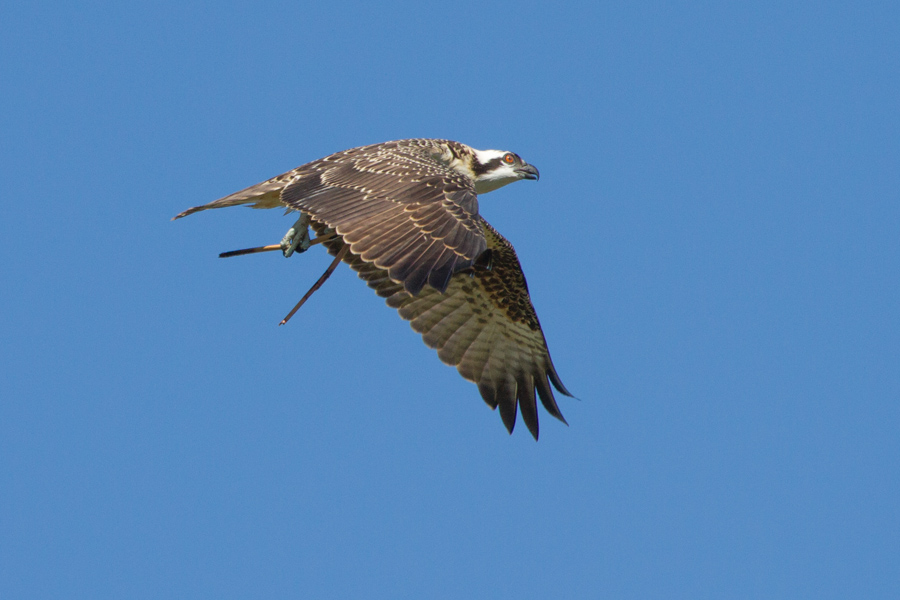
{"x": 409, "y": 212}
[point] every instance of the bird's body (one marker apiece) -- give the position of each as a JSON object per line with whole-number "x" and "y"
{"x": 404, "y": 216}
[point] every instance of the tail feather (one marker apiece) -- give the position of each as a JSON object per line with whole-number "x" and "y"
{"x": 262, "y": 195}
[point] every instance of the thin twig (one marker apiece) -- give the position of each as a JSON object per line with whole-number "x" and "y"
{"x": 270, "y": 248}
{"x": 250, "y": 251}
{"x": 318, "y": 284}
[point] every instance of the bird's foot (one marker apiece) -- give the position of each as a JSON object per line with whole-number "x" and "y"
{"x": 297, "y": 237}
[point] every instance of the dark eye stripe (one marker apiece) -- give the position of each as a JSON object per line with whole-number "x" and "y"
{"x": 481, "y": 169}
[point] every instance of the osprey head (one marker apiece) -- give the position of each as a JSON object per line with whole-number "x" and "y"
{"x": 492, "y": 169}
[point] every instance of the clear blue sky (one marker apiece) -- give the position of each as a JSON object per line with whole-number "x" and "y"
{"x": 712, "y": 249}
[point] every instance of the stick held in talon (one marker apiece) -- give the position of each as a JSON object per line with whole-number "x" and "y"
{"x": 250, "y": 251}
{"x": 270, "y": 248}
{"x": 318, "y": 284}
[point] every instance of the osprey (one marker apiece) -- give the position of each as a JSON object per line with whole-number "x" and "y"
{"x": 404, "y": 216}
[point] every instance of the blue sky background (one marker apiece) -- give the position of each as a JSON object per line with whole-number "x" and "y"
{"x": 712, "y": 249}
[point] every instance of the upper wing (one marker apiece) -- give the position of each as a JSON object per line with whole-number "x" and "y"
{"x": 398, "y": 207}
{"x": 397, "y": 204}
{"x": 483, "y": 324}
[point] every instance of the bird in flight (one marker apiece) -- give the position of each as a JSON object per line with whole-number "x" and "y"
{"x": 404, "y": 216}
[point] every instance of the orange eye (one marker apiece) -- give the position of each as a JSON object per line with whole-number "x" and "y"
{"x": 509, "y": 159}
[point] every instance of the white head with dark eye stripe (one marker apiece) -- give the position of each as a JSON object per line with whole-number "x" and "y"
{"x": 492, "y": 169}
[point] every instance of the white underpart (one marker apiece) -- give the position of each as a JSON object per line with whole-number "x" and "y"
{"x": 497, "y": 178}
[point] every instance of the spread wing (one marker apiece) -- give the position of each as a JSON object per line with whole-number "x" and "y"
{"x": 398, "y": 205}
{"x": 483, "y": 324}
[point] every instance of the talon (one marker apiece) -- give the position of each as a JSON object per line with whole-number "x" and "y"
{"x": 297, "y": 237}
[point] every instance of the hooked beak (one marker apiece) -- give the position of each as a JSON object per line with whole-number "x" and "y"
{"x": 527, "y": 171}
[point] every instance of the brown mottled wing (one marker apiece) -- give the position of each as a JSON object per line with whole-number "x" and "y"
{"x": 397, "y": 206}
{"x": 483, "y": 324}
